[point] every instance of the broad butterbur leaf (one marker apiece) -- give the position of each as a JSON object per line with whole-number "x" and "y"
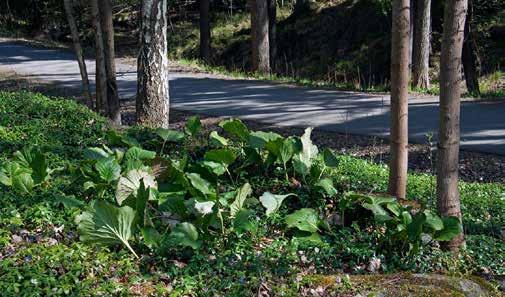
{"x": 452, "y": 228}
{"x": 106, "y": 224}
{"x": 170, "y": 135}
{"x": 108, "y": 169}
{"x": 258, "y": 139}
{"x": 201, "y": 184}
{"x": 236, "y": 128}
{"x": 327, "y": 185}
{"x": 185, "y": 234}
{"x": 95, "y": 153}
{"x": 243, "y": 220}
{"x": 330, "y": 159}
{"x": 217, "y": 140}
{"x": 272, "y": 202}
{"x": 224, "y": 156}
{"x": 193, "y": 126}
{"x": 433, "y": 221}
{"x": 305, "y": 219}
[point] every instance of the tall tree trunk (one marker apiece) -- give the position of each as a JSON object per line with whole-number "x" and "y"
{"x": 421, "y": 49}
{"x": 78, "y": 52}
{"x": 399, "y": 98}
{"x": 204, "y": 30}
{"x": 113, "y": 111}
{"x": 449, "y": 132}
{"x": 259, "y": 32}
{"x": 272, "y": 31}
{"x": 469, "y": 55}
{"x": 152, "y": 70}
{"x": 411, "y": 32}
{"x": 100, "y": 73}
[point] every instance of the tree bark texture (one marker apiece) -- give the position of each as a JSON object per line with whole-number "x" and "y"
{"x": 399, "y": 98}
{"x": 272, "y": 31}
{"x": 78, "y": 52}
{"x": 259, "y": 32}
{"x": 100, "y": 73}
{"x": 113, "y": 110}
{"x": 421, "y": 49}
{"x": 469, "y": 57}
{"x": 204, "y": 31}
{"x": 152, "y": 85}
{"x": 448, "y": 202}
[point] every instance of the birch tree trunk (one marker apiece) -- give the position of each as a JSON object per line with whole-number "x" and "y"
{"x": 152, "y": 85}
{"x": 421, "y": 49}
{"x": 100, "y": 73}
{"x": 113, "y": 111}
{"x": 448, "y": 202}
{"x": 272, "y": 31}
{"x": 78, "y": 52}
{"x": 259, "y": 32}
{"x": 399, "y": 98}
{"x": 204, "y": 30}
{"x": 469, "y": 57}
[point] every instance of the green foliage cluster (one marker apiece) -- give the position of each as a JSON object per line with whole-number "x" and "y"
{"x": 218, "y": 213}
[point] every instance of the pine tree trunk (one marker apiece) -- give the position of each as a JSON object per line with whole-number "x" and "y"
{"x": 78, "y": 52}
{"x": 204, "y": 30}
{"x": 399, "y": 98}
{"x": 152, "y": 85}
{"x": 469, "y": 56}
{"x": 421, "y": 49}
{"x": 259, "y": 32}
{"x": 272, "y": 31}
{"x": 100, "y": 73}
{"x": 449, "y": 133}
{"x": 113, "y": 110}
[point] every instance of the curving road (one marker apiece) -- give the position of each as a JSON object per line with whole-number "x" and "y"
{"x": 482, "y": 124}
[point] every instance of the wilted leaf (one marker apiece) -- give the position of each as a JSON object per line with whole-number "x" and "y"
{"x": 272, "y": 202}
{"x": 204, "y": 208}
{"x": 129, "y": 184}
{"x": 240, "y": 198}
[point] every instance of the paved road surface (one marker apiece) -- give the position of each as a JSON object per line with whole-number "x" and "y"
{"x": 482, "y": 124}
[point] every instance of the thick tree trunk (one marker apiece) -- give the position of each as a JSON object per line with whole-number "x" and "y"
{"x": 272, "y": 31}
{"x": 78, "y": 52}
{"x": 152, "y": 76}
{"x": 421, "y": 49}
{"x": 469, "y": 55}
{"x": 399, "y": 98}
{"x": 449, "y": 133}
{"x": 412, "y": 5}
{"x": 100, "y": 73}
{"x": 204, "y": 30}
{"x": 259, "y": 36}
{"x": 113, "y": 111}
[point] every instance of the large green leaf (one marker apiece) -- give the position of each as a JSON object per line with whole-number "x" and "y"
{"x": 236, "y": 128}
{"x": 129, "y": 184}
{"x": 106, "y": 224}
{"x": 215, "y": 167}
{"x": 415, "y": 228}
{"x": 433, "y": 220}
{"x": 137, "y": 153}
{"x": 330, "y": 159}
{"x": 224, "y": 156}
{"x": 273, "y": 202}
{"x": 108, "y": 169}
{"x": 193, "y": 126}
{"x": 287, "y": 149}
{"x": 327, "y": 185}
{"x": 185, "y": 234}
{"x": 305, "y": 219}
{"x": 217, "y": 140}
{"x": 170, "y": 135}
{"x": 201, "y": 184}
{"x": 240, "y": 198}
{"x": 95, "y": 153}
{"x": 452, "y": 228}
{"x": 243, "y": 220}
{"x": 259, "y": 139}
{"x": 35, "y": 160}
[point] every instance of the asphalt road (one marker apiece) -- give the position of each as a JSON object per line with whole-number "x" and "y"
{"x": 482, "y": 124}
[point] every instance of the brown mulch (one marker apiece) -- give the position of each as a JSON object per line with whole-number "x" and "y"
{"x": 475, "y": 167}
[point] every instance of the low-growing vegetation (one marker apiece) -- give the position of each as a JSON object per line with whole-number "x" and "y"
{"x": 87, "y": 209}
